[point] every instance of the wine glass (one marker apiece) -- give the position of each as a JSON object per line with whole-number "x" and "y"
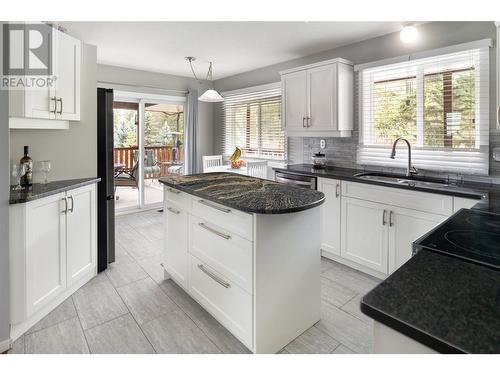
{"x": 18, "y": 170}
{"x": 45, "y": 166}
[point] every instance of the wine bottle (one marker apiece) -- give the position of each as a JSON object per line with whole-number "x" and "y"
{"x": 27, "y": 178}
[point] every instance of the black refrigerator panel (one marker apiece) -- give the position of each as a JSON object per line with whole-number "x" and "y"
{"x": 105, "y": 188}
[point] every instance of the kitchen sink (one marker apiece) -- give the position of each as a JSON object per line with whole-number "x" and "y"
{"x": 401, "y": 180}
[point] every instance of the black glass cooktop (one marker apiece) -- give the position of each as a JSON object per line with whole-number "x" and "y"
{"x": 469, "y": 234}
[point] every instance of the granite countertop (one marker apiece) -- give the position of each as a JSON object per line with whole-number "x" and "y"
{"x": 37, "y": 191}
{"x": 445, "y": 303}
{"x": 245, "y": 193}
{"x": 464, "y": 189}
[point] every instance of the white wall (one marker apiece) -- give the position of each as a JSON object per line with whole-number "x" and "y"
{"x": 73, "y": 152}
{"x": 141, "y": 80}
{"x": 4, "y": 211}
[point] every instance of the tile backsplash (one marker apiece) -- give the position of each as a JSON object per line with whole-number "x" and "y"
{"x": 341, "y": 152}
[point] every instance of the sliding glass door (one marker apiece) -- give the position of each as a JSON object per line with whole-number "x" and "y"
{"x": 149, "y": 144}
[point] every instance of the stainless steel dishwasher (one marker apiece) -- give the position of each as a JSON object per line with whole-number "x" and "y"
{"x": 295, "y": 179}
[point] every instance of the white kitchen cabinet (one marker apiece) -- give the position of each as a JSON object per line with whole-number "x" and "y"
{"x": 45, "y": 251}
{"x": 176, "y": 247}
{"x": 364, "y": 233}
{"x": 405, "y": 227}
{"x": 53, "y": 252}
{"x": 318, "y": 99}
{"x": 81, "y": 233}
{"x": 294, "y": 87}
{"x": 330, "y": 215}
{"x": 59, "y": 102}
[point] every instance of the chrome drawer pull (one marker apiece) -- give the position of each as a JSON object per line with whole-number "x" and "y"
{"x": 214, "y": 277}
{"x": 177, "y": 212}
{"x": 384, "y": 217}
{"x": 72, "y": 204}
{"x": 225, "y": 236}
{"x": 337, "y": 190}
{"x": 226, "y": 210}
{"x": 173, "y": 191}
{"x": 391, "y": 222}
{"x": 65, "y": 211}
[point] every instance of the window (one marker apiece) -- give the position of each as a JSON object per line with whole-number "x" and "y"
{"x": 252, "y": 122}
{"x": 439, "y": 103}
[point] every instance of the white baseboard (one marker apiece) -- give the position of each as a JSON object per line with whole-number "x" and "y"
{"x": 5, "y": 345}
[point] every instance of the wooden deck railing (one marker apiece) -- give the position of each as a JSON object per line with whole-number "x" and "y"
{"x": 162, "y": 155}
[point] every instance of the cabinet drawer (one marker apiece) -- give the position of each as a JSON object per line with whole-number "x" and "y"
{"x": 227, "y": 218}
{"x": 416, "y": 200}
{"x": 177, "y": 197}
{"x": 231, "y": 255}
{"x": 228, "y": 303}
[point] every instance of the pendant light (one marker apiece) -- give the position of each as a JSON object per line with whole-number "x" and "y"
{"x": 210, "y": 96}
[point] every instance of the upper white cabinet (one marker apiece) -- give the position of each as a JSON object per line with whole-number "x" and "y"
{"x": 59, "y": 101}
{"x": 330, "y": 215}
{"x": 318, "y": 99}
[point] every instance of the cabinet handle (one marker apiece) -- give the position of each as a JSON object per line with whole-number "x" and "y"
{"x": 384, "y": 217}
{"x": 213, "y": 276}
{"x": 337, "y": 190}
{"x": 55, "y": 105}
{"x": 65, "y": 205}
{"x": 214, "y": 231}
{"x": 60, "y": 100}
{"x": 498, "y": 115}
{"x": 225, "y": 210}
{"x": 304, "y": 121}
{"x": 391, "y": 222}
{"x": 72, "y": 204}
{"x": 173, "y": 211}
{"x": 173, "y": 191}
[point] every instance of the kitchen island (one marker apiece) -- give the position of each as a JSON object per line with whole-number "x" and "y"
{"x": 248, "y": 250}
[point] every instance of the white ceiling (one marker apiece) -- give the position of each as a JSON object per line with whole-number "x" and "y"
{"x": 234, "y": 47}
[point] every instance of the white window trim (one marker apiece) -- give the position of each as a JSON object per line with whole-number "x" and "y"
{"x": 479, "y": 156}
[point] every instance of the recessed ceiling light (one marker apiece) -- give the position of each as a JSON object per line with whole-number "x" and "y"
{"x": 408, "y": 34}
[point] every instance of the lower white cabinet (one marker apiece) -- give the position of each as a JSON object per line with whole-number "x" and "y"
{"x": 364, "y": 233}
{"x": 176, "y": 246}
{"x": 45, "y": 255}
{"x": 53, "y": 252}
{"x": 330, "y": 215}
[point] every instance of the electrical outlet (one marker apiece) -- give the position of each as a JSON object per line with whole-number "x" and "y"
{"x": 322, "y": 144}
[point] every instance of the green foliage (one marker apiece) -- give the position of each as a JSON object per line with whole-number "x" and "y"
{"x": 125, "y": 128}
{"x": 158, "y": 128}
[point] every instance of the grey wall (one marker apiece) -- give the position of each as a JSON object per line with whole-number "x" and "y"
{"x": 432, "y": 35}
{"x": 73, "y": 152}
{"x": 4, "y": 210}
{"x": 140, "y": 78}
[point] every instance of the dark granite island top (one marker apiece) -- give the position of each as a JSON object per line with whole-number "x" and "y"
{"x": 37, "y": 191}
{"x": 245, "y": 193}
{"x": 445, "y": 303}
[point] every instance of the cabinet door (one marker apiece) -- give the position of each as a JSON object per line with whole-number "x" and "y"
{"x": 321, "y": 84}
{"x": 81, "y": 233}
{"x": 176, "y": 254}
{"x": 330, "y": 215}
{"x": 364, "y": 233}
{"x": 294, "y": 87}
{"x": 45, "y": 251}
{"x": 406, "y": 226}
{"x": 40, "y": 103}
{"x": 68, "y": 61}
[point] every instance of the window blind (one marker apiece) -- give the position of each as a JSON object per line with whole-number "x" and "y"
{"x": 439, "y": 103}
{"x": 252, "y": 122}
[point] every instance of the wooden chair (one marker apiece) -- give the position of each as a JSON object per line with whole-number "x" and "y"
{"x": 257, "y": 168}
{"x": 211, "y": 161}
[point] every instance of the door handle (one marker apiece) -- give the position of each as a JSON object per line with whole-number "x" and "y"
{"x": 337, "y": 190}
{"x": 72, "y": 204}
{"x": 60, "y": 100}
{"x": 55, "y": 105}
{"x": 391, "y": 222}
{"x": 65, "y": 205}
{"x": 384, "y": 217}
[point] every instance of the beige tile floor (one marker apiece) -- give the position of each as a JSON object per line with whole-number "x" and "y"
{"x": 129, "y": 308}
